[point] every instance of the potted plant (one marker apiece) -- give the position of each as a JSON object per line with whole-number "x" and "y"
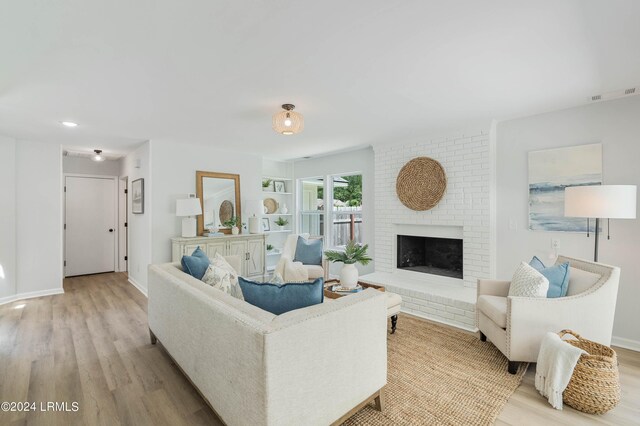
{"x": 269, "y": 248}
{"x": 266, "y": 184}
{"x": 281, "y": 222}
{"x": 352, "y": 254}
{"x": 232, "y": 223}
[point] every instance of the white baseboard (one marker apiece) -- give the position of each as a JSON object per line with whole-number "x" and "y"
{"x": 31, "y": 295}
{"x": 621, "y": 342}
{"x": 440, "y": 320}
{"x": 138, "y": 286}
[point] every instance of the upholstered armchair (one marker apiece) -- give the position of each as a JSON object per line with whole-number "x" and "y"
{"x": 294, "y": 271}
{"x": 516, "y": 325}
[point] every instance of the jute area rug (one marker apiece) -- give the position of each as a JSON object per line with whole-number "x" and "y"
{"x": 441, "y": 376}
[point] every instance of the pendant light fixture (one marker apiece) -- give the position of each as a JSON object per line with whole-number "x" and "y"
{"x": 288, "y": 122}
{"x": 98, "y": 156}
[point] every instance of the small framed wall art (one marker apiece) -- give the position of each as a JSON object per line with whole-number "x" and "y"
{"x": 279, "y": 186}
{"x": 265, "y": 224}
{"x": 137, "y": 196}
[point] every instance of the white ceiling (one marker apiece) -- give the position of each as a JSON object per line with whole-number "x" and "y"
{"x": 361, "y": 71}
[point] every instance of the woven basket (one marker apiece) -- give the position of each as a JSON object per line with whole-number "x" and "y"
{"x": 594, "y": 387}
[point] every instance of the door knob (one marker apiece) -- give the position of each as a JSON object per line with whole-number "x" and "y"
{"x": 110, "y": 229}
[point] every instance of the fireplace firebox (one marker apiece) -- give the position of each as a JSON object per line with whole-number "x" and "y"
{"x": 438, "y": 256}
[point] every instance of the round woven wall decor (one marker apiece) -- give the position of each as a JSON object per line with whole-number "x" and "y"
{"x": 226, "y": 211}
{"x": 421, "y": 183}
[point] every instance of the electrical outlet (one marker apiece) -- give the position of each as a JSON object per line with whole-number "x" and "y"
{"x": 555, "y": 243}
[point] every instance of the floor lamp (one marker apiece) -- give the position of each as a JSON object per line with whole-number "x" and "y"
{"x": 600, "y": 202}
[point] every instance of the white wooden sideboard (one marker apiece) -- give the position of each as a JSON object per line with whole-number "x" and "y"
{"x": 249, "y": 247}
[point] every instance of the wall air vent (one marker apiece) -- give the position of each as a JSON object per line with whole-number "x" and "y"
{"x": 615, "y": 94}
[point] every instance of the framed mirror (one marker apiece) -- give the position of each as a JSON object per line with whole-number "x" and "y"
{"x": 219, "y": 194}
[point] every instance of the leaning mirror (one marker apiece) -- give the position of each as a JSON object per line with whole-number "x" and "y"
{"x": 219, "y": 194}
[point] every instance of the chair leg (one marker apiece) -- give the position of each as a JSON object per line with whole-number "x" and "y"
{"x": 153, "y": 337}
{"x": 513, "y": 367}
{"x": 380, "y": 400}
{"x": 483, "y": 338}
{"x": 394, "y": 322}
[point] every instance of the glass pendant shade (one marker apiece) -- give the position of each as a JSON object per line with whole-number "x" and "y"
{"x": 288, "y": 122}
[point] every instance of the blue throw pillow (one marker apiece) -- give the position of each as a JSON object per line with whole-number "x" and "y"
{"x": 281, "y": 298}
{"x": 196, "y": 264}
{"x": 308, "y": 251}
{"x": 558, "y": 276}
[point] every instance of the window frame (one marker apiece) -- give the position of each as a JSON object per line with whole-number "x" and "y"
{"x": 328, "y": 212}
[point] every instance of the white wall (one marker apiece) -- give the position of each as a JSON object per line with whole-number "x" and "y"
{"x": 39, "y": 192}
{"x": 86, "y": 166}
{"x": 7, "y": 217}
{"x": 174, "y": 166}
{"x": 616, "y": 124}
{"x": 361, "y": 160}
{"x": 139, "y": 225}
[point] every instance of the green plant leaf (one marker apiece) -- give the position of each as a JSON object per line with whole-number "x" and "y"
{"x": 353, "y": 253}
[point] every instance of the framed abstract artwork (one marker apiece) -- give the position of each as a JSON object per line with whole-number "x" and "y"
{"x": 550, "y": 172}
{"x": 137, "y": 196}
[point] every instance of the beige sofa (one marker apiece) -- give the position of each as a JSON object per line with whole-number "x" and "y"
{"x": 310, "y": 366}
{"x": 516, "y": 325}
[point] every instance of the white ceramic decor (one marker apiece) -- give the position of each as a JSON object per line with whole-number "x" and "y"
{"x": 349, "y": 276}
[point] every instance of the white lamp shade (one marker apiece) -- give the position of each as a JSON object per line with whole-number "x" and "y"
{"x": 188, "y": 207}
{"x": 601, "y": 201}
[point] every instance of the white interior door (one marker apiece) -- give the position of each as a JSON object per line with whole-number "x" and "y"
{"x": 90, "y": 219}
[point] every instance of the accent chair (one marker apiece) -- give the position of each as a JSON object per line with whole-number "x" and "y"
{"x": 516, "y": 325}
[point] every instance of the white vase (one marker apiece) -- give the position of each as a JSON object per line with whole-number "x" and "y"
{"x": 284, "y": 209}
{"x": 235, "y": 230}
{"x": 349, "y": 276}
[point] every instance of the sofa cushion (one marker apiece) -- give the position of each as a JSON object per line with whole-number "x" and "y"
{"x": 495, "y": 307}
{"x": 527, "y": 282}
{"x": 222, "y": 280}
{"x": 308, "y": 251}
{"x": 195, "y": 265}
{"x": 178, "y": 276}
{"x": 278, "y": 299}
{"x": 580, "y": 281}
{"x": 558, "y": 276}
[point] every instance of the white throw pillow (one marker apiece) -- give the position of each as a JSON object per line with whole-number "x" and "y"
{"x": 276, "y": 279}
{"x": 527, "y": 282}
{"x": 219, "y": 280}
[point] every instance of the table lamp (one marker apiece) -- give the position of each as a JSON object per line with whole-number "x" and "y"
{"x": 254, "y": 211}
{"x": 600, "y": 202}
{"x": 189, "y": 208}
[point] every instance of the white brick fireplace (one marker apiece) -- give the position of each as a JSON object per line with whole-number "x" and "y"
{"x": 464, "y": 212}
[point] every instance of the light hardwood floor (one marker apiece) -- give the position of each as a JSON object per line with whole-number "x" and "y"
{"x": 91, "y": 345}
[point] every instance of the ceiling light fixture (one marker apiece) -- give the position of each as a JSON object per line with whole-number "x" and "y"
{"x": 98, "y": 156}
{"x": 69, "y": 124}
{"x": 288, "y": 122}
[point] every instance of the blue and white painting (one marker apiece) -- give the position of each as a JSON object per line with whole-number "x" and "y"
{"x": 550, "y": 172}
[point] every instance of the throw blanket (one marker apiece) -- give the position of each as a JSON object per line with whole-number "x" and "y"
{"x": 556, "y": 362}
